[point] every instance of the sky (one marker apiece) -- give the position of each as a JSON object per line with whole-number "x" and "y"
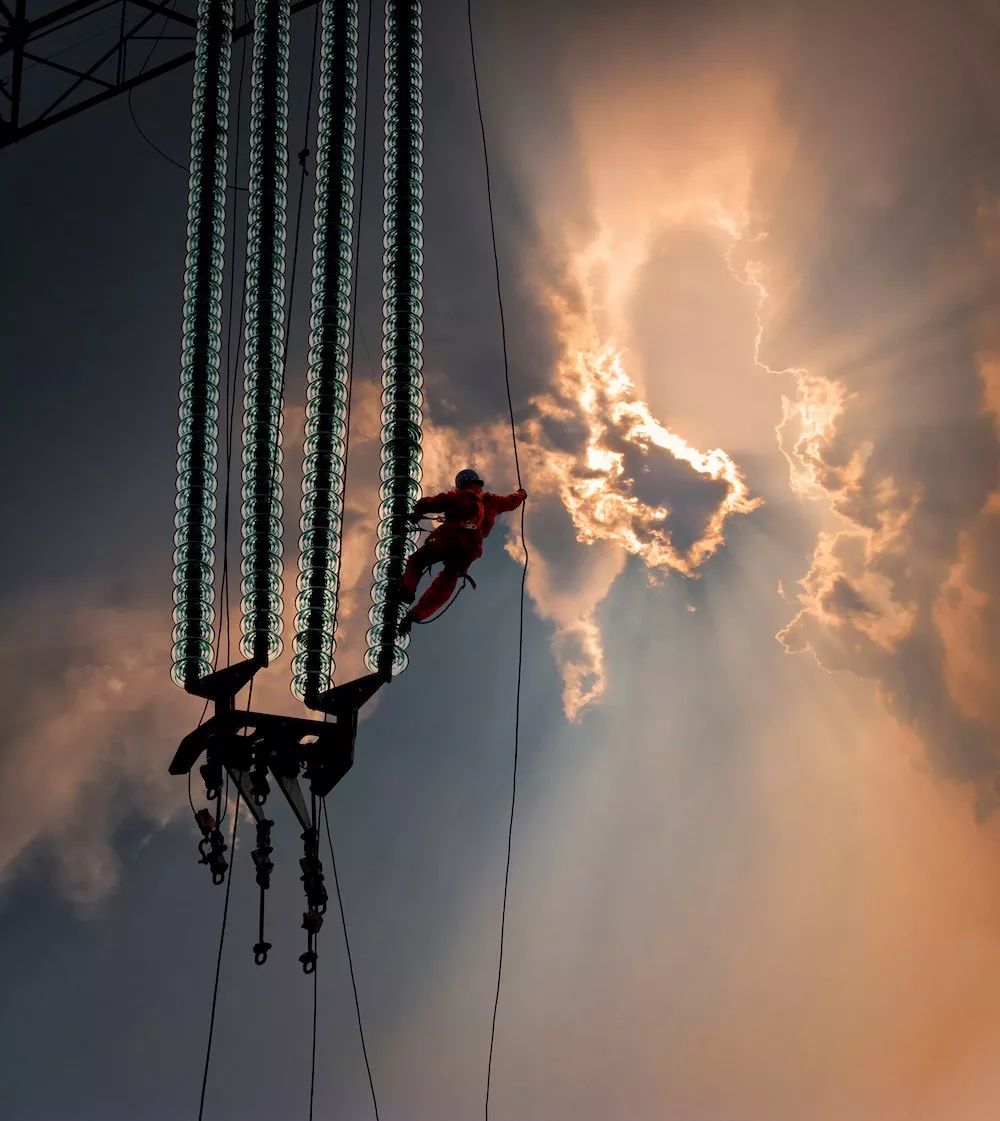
{"x": 750, "y": 255}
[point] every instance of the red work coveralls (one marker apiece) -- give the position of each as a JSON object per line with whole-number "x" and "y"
{"x": 469, "y": 515}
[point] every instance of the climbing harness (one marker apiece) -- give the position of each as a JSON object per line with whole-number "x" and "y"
{"x": 439, "y": 519}
{"x": 466, "y": 579}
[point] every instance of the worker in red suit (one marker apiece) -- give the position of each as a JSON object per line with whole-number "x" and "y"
{"x": 469, "y": 513}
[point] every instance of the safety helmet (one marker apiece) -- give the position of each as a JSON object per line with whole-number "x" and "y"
{"x": 469, "y": 477}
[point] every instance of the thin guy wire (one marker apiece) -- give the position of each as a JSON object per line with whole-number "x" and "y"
{"x": 350, "y": 960}
{"x": 493, "y": 235}
{"x": 218, "y": 960}
{"x": 303, "y": 156}
{"x": 524, "y": 572}
{"x": 315, "y": 973}
{"x": 131, "y": 108}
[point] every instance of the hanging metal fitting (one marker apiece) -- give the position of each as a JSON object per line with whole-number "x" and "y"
{"x": 212, "y": 847}
{"x": 312, "y": 873}
{"x": 261, "y": 855}
{"x": 259, "y": 786}
{"x": 211, "y": 773}
{"x": 312, "y": 920}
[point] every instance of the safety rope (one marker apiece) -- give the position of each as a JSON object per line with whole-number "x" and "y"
{"x": 218, "y": 960}
{"x": 314, "y": 817}
{"x": 131, "y": 109}
{"x": 524, "y": 546}
{"x": 303, "y": 158}
{"x": 466, "y": 579}
{"x": 186, "y": 168}
{"x": 312, "y": 1060}
{"x": 350, "y": 959}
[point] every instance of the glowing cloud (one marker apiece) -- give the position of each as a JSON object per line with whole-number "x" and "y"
{"x": 887, "y": 425}
{"x": 602, "y": 472}
{"x": 626, "y": 482}
{"x": 601, "y": 482}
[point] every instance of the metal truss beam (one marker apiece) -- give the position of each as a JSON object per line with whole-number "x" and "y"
{"x": 70, "y": 59}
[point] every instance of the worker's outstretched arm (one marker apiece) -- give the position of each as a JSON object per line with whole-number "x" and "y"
{"x": 507, "y": 502}
{"x": 433, "y": 504}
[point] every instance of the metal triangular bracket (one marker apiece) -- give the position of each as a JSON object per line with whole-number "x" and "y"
{"x": 343, "y": 700}
{"x": 226, "y": 682}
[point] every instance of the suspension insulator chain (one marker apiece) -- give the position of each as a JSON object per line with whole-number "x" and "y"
{"x": 265, "y": 334}
{"x": 402, "y": 347}
{"x": 324, "y": 467}
{"x": 198, "y": 430}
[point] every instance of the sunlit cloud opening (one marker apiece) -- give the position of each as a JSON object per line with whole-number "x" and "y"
{"x": 626, "y": 481}
{"x": 602, "y": 489}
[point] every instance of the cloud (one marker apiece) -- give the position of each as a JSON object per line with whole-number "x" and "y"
{"x": 607, "y": 481}
{"x": 880, "y": 304}
{"x": 861, "y": 222}
{"x": 568, "y": 584}
{"x": 834, "y": 159}
{"x": 849, "y": 595}
{"x": 93, "y": 717}
{"x": 967, "y": 617}
{"x": 92, "y": 723}
{"x": 628, "y": 486}
{"x": 610, "y": 476}
{"x": 626, "y": 478}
